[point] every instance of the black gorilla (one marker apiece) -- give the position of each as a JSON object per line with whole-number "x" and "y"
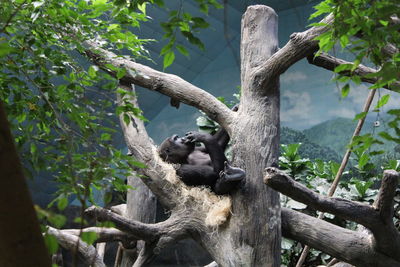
{"x": 202, "y": 165}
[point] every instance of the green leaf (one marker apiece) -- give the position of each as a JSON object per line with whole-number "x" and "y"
{"x": 169, "y": 59}
{"x": 360, "y": 116}
{"x": 121, "y": 73}
{"x": 127, "y": 119}
{"x": 204, "y": 8}
{"x": 33, "y": 148}
{"x": 51, "y": 243}
{"x": 182, "y": 50}
{"x": 382, "y": 101}
{"x": 138, "y": 164}
{"x": 384, "y": 22}
{"x": 89, "y": 237}
{"x": 57, "y": 220}
{"x": 99, "y": 3}
{"x": 92, "y": 71}
{"x": 62, "y": 203}
{"x": 344, "y": 40}
{"x": 343, "y": 67}
{"x": 5, "y": 49}
{"x": 386, "y": 136}
{"x": 112, "y": 27}
{"x": 363, "y": 160}
{"x": 142, "y": 8}
{"x": 200, "y": 23}
{"x": 105, "y": 137}
{"x": 345, "y": 90}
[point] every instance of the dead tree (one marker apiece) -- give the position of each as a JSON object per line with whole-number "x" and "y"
{"x": 244, "y": 228}
{"x": 379, "y": 245}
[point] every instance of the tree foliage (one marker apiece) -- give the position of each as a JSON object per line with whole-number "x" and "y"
{"x": 61, "y": 107}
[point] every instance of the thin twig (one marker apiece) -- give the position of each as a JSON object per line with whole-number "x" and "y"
{"x": 345, "y": 160}
{"x": 12, "y": 16}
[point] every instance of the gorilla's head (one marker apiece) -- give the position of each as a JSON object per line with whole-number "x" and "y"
{"x": 176, "y": 149}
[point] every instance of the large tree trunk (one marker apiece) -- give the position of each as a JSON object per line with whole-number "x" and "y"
{"x": 21, "y": 241}
{"x": 254, "y": 228}
{"x": 141, "y": 206}
{"x": 243, "y": 229}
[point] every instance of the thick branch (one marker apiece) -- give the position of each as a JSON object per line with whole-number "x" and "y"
{"x": 349, "y": 246}
{"x": 145, "y": 256}
{"x": 167, "y": 84}
{"x": 330, "y": 63}
{"x": 385, "y": 199}
{"x": 159, "y": 176}
{"x": 387, "y": 238}
{"x": 181, "y": 224}
{"x": 378, "y": 219}
{"x": 103, "y": 234}
{"x": 349, "y": 210}
{"x": 299, "y": 46}
{"x": 138, "y": 230}
{"x": 86, "y": 252}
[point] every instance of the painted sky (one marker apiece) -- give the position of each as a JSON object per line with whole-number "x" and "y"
{"x": 308, "y": 94}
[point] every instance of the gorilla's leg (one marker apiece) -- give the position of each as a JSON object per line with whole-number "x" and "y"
{"x": 232, "y": 173}
{"x": 229, "y": 178}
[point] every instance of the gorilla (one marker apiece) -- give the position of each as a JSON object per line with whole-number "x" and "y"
{"x": 202, "y": 165}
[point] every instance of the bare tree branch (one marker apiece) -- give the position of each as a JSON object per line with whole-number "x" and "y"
{"x": 349, "y": 246}
{"x": 146, "y": 255}
{"x": 384, "y": 202}
{"x": 86, "y": 252}
{"x": 181, "y": 224}
{"x": 212, "y": 264}
{"x": 330, "y": 63}
{"x": 101, "y": 249}
{"x": 159, "y": 176}
{"x": 103, "y": 234}
{"x": 349, "y": 210}
{"x": 119, "y": 209}
{"x": 167, "y": 84}
{"x": 385, "y": 199}
{"x": 300, "y": 45}
{"x": 385, "y": 238}
{"x": 138, "y": 230}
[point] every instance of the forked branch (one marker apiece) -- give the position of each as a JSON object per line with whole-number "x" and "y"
{"x": 103, "y": 234}
{"x": 167, "y": 84}
{"x": 72, "y": 242}
{"x": 344, "y": 244}
{"x": 180, "y": 224}
{"x": 137, "y": 229}
{"x": 330, "y": 63}
{"x": 346, "y": 209}
{"x": 385, "y": 238}
{"x": 300, "y": 45}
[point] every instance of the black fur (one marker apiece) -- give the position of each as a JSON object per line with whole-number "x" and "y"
{"x": 204, "y": 165}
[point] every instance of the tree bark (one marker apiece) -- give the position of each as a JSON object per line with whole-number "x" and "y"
{"x": 86, "y": 252}
{"x": 21, "y": 241}
{"x": 377, "y": 247}
{"x": 141, "y": 206}
{"x": 255, "y": 225}
{"x": 248, "y": 232}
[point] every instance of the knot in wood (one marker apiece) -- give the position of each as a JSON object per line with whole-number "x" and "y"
{"x": 157, "y": 84}
{"x": 296, "y": 37}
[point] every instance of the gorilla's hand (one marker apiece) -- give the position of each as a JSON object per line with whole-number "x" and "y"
{"x": 232, "y": 173}
{"x": 197, "y": 137}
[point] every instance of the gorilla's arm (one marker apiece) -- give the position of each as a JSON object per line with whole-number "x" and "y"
{"x": 216, "y": 152}
{"x": 222, "y": 138}
{"x": 221, "y": 135}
